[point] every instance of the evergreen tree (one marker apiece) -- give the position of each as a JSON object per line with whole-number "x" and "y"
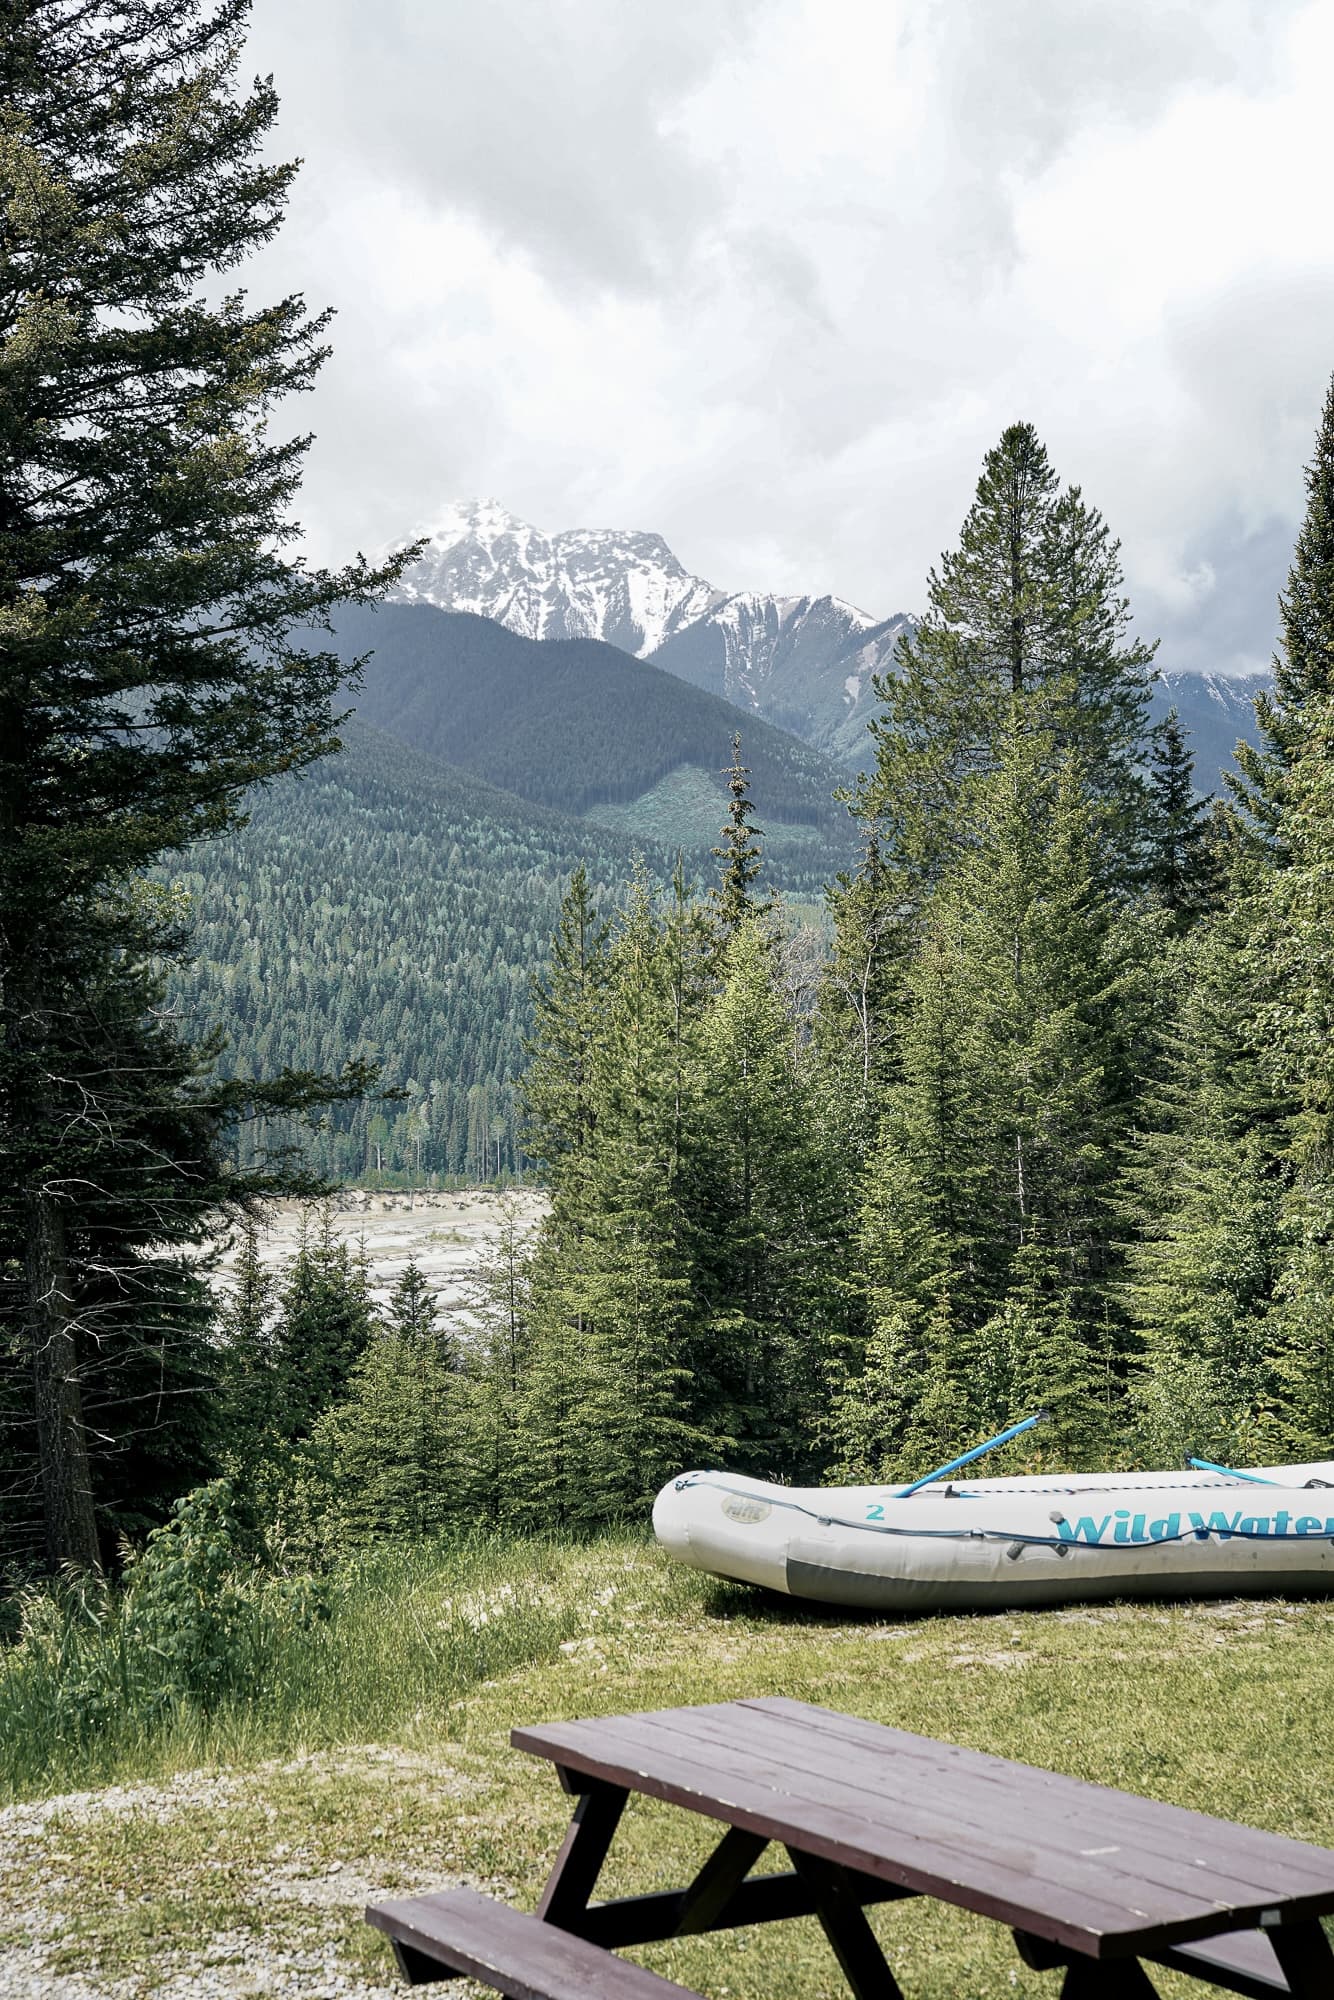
{"x": 991, "y": 1221}
{"x": 1182, "y": 862}
{"x": 765, "y": 1219}
{"x": 1029, "y": 608}
{"x": 496, "y": 1362}
{"x": 250, "y": 1360}
{"x": 326, "y": 1321}
{"x": 1237, "y": 1283}
{"x": 1209, "y": 1188}
{"x": 148, "y": 677}
{"x": 1304, "y": 662}
{"x": 604, "y": 1408}
{"x": 862, "y": 990}
{"x": 558, "y": 1090}
{"x": 740, "y": 854}
{"x": 392, "y": 1443}
{"x": 411, "y": 1312}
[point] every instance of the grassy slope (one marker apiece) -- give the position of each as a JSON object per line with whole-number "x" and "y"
{"x": 261, "y": 1865}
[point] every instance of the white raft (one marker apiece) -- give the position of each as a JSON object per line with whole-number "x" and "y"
{"x": 993, "y": 1544}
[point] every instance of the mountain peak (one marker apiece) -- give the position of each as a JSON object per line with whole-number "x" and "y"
{"x": 628, "y": 587}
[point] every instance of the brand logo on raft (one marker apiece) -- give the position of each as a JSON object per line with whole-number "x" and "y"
{"x": 1123, "y": 1526}
{"x": 739, "y": 1507}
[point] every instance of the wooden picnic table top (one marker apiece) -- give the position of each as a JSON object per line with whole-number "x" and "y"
{"x": 1102, "y": 1872}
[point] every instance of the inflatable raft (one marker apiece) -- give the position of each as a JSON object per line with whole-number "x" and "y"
{"x": 998, "y": 1544}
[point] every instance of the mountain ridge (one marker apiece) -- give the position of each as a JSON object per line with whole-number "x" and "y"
{"x": 803, "y": 662}
{"x": 578, "y": 726}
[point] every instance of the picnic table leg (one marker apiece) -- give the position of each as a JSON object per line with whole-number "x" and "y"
{"x": 1307, "y": 1961}
{"x": 1107, "y": 1979}
{"x": 843, "y": 1920}
{"x": 583, "y": 1851}
{"x": 1087, "y": 1978}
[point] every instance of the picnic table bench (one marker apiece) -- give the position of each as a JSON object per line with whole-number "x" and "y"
{"x": 1097, "y": 1881}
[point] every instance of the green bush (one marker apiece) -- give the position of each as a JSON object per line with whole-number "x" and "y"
{"x": 204, "y": 1651}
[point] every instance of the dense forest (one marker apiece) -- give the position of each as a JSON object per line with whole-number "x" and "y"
{"x": 1049, "y": 1123}
{"x": 389, "y": 908}
{"x": 569, "y": 723}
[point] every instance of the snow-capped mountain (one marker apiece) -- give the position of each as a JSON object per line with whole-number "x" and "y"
{"x": 803, "y": 662}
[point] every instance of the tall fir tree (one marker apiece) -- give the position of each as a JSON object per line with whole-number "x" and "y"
{"x": 391, "y": 1444}
{"x": 325, "y": 1323}
{"x": 495, "y": 1366}
{"x": 1029, "y": 606}
{"x": 1239, "y": 1279}
{"x": 1182, "y": 861}
{"x": 739, "y": 853}
{"x": 149, "y": 676}
{"x": 991, "y": 1222}
{"x": 765, "y": 1216}
{"x": 559, "y": 1087}
{"x": 1304, "y": 661}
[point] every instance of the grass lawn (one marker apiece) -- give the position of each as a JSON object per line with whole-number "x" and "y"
{"x": 249, "y": 1876}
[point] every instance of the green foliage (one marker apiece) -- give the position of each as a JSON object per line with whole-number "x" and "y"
{"x": 161, "y": 656}
{"x": 389, "y": 909}
{"x": 204, "y": 1648}
{"x": 579, "y": 726}
{"x": 1029, "y": 607}
{"x": 1182, "y": 871}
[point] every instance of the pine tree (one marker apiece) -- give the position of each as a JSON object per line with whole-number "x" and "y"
{"x": 1304, "y": 662}
{"x": 392, "y": 1441}
{"x": 764, "y": 1211}
{"x": 411, "y": 1312}
{"x": 1237, "y": 1281}
{"x": 495, "y": 1365}
{"x": 1029, "y": 607}
{"x": 326, "y": 1320}
{"x": 861, "y": 991}
{"x": 1209, "y": 1188}
{"x": 604, "y": 1409}
{"x": 740, "y": 853}
{"x": 253, "y": 1419}
{"x": 991, "y": 1213}
{"x": 149, "y": 677}
{"x": 558, "y": 1086}
{"x": 1182, "y": 862}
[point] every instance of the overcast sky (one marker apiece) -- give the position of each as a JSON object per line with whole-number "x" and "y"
{"x": 770, "y": 276}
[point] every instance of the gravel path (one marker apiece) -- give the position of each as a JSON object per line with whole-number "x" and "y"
{"x": 223, "y": 1965}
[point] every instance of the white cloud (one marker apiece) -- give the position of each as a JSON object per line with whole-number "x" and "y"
{"x": 771, "y": 275}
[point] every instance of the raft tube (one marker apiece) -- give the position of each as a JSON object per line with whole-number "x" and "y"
{"x": 1003, "y": 1544}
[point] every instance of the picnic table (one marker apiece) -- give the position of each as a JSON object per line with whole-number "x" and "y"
{"x": 1100, "y": 1882}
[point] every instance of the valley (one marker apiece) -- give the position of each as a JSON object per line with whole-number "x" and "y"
{"x": 447, "y": 1234}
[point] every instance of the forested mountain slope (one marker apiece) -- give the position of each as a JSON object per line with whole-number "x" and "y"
{"x": 389, "y": 907}
{"x": 581, "y": 726}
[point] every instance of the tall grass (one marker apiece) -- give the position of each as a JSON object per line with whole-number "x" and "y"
{"x": 196, "y": 1660}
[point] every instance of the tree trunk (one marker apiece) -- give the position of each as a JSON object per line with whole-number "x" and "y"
{"x": 67, "y": 1494}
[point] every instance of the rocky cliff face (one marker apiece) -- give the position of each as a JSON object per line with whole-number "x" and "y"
{"x": 803, "y": 662}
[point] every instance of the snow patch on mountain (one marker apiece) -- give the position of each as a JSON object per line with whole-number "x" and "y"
{"x": 622, "y": 586}
{"x": 805, "y": 662}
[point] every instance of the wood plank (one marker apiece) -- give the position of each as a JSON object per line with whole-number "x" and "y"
{"x": 519, "y": 1955}
{"x": 1129, "y": 1864}
{"x": 1243, "y": 1963}
{"x": 766, "y": 1803}
{"x": 1129, "y": 1903}
{"x": 761, "y": 1899}
{"x": 1165, "y": 1827}
{"x": 677, "y": 1753}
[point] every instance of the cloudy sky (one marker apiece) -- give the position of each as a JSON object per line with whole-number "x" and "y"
{"x": 769, "y": 276}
